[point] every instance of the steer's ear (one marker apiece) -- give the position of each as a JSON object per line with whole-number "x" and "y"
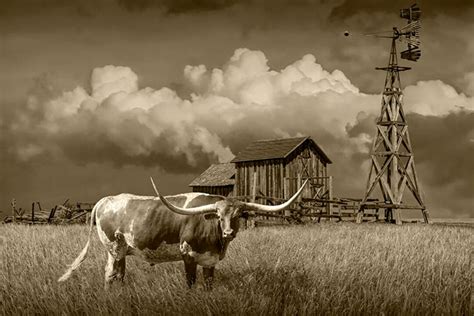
{"x": 210, "y": 215}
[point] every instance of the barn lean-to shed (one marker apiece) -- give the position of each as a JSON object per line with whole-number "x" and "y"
{"x": 280, "y": 166}
{"x": 217, "y": 179}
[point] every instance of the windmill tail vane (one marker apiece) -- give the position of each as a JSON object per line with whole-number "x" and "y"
{"x": 409, "y": 34}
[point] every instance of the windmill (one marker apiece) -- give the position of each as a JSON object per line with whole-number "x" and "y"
{"x": 392, "y": 163}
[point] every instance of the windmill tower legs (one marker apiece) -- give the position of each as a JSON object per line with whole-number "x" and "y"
{"x": 392, "y": 162}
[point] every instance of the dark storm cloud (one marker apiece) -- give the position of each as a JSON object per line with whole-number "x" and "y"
{"x": 298, "y": 27}
{"x": 339, "y": 10}
{"x": 100, "y": 148}
{"x": 176, "y": 6}
{"x": 429, "y": 8}
{"x": 89, "y": 7}
{"x": 26, "y": 7}
{"x": 184, "y": 6}
{"x": 446, "y": 145}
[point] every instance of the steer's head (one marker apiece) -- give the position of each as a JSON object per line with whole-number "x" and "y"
{"x": 227, "y": 210}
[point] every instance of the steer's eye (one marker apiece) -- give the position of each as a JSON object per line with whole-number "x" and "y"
{"x": 211, "y": 216}
{"x": 244, "y": 215}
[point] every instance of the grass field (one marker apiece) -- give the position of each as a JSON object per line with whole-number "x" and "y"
{"x": 327, "y": 268}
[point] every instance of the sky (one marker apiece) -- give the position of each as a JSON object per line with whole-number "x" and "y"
{"x": 96, "y": 96}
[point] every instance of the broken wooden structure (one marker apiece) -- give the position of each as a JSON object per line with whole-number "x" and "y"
{"x": 65, "y": 213}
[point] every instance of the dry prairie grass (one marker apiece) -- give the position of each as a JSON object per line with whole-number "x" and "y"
{"x": 328, "y": 268}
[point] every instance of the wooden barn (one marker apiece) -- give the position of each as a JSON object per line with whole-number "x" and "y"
{"x": 278, "y": 167}
{"x": 270, "y": 171}
{"x": 217, "y": 179}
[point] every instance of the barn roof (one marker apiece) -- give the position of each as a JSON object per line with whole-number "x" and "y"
{"x": 221, "y": 174}
{"x": 275, "y": 149}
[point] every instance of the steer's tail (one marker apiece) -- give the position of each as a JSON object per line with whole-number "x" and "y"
{"x": 82, "y": 256}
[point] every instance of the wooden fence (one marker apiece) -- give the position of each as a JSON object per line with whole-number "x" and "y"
{"x": 312, "y": 205}
{"x": 315, "y": 203}
{"x": 65, "y": 213}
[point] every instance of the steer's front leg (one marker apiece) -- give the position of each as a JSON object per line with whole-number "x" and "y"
{"x": 190, "y": 267}
{"x": 208, "y": 273}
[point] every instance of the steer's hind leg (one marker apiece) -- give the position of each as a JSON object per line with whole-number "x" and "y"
{"x": 208, "y": 273}
{"x": 114, "y": 270}
{"x": 190, "y": 267}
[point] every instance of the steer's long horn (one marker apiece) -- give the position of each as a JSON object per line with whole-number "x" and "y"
{"x": 276, "y": 208}
{"x": 209, "y": 208}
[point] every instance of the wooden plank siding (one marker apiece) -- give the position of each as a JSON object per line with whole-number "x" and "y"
{"x": 268, "y": 177}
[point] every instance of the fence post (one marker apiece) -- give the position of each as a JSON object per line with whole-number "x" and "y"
{"x": 298, "y": 186}
{"x": 14, "y": 210}
{"x": 286, "y": 190}
{"x": 254, "y": 187}
{"x": 251, "y": 219}
{"x": 330, "y": 195}
{"x": 33, "y": 212}
{"x": 51, "y": 215}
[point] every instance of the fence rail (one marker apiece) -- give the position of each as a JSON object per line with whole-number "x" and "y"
{"x": 59, "y": 214}
{"x": 305, "y": 208}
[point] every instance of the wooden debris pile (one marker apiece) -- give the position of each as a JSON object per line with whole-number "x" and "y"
{"x": 65, "y": 213}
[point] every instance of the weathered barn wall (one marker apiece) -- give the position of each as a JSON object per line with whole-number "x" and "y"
{"x": 305, "y": 162}
{"x": 270, "y": 177}
{"x": 278, "y": 178}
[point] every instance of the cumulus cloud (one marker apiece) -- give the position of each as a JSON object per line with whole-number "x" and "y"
{"x": 246, "y": 79}
{"x": 435, "y": 98}
{"x": 109, "y": 80}
{"x": 119, "y": 122}
{"x": 230, "y": 106}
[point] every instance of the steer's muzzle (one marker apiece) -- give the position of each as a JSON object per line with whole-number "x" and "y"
{"x": 228, "y": 234}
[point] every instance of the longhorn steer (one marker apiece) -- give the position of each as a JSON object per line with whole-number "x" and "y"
{"x": 203, "y": 225}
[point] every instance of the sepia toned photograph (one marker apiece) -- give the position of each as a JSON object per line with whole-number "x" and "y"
{"x": 226, "y": 157}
